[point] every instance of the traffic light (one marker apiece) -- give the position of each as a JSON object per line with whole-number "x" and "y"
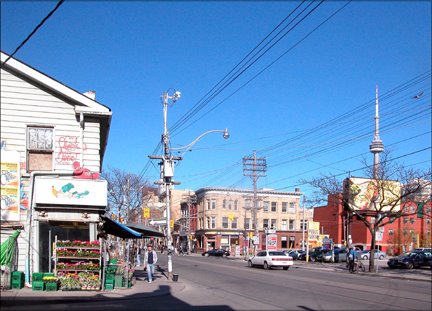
{"x": 172, "y": 223}
{"x": 146, "y": 212}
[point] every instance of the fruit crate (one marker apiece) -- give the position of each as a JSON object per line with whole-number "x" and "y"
{"x": 17, "y": 284}
{"x": 52, "y": 286}
{"x": 38, "y": 286}
{"x": 17, "y": 279}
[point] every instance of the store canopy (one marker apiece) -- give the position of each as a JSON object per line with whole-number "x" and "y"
{"x": 145, "y": 230}
{"x": 118, "y": 229}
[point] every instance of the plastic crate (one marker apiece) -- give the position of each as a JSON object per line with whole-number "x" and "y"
{"x": 17, "y": 276}
{"x": 109, "y": 286}
{"x": 51, "y": 286}
{"x": 38, "y": 286}
{"x": 48, "y": 274}
{"x": 111, "y": 269}
{"x": 37, "y": 276}
{"x": 17, "y": 284}
{"x": 109, "y": 276}
{"x": 118, "y": 281}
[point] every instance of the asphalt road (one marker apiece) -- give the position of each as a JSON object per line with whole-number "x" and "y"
{"x": 232, "y": 283}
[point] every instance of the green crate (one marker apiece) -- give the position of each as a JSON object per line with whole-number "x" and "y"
{"x": 48, "y": 274}
{"x": 109, "y": 276}
{"x": 118, "y": 281}
{"x": 17, "y": 276}
{"x": 38, "y": 286}
{"x": 109, "y": 286}
{"x": 111, "y": 269}
{"x": 17, "y": 284}
{"x": 37, "y": 277}
{"x": 51, "y": 286}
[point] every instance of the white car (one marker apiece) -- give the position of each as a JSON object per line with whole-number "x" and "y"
{"x": 269, "y": 259}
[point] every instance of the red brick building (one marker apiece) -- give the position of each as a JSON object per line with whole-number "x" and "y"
{"x": 405, "y": 233}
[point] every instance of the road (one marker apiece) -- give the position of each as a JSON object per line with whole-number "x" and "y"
{"x": 210, "y": 283}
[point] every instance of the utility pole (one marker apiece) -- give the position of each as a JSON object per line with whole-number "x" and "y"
{"x": 255, "y": 168}
{"x": 304, "y": 225}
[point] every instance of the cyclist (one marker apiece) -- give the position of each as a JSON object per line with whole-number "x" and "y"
{"x": 351, "y": 259}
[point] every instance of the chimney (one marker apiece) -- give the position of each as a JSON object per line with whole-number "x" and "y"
{"x": 91, "y": 94}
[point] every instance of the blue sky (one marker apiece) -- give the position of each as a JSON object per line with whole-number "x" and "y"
{"x": 307, "y": 105}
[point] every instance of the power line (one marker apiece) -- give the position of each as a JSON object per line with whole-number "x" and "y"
{"x": 34, "y": 31}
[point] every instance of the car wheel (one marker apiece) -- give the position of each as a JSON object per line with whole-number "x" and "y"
{"x": 364, "y": 257}
{"x": 410, "y": 266}
{"x": 286, "y": 268}
{"x": 206, "y": 254}
{"x": 381, "y": 257}
{"x": 312, "y": 259}
{"x": 266, "y": 266}
{"x": 250, "y": 263}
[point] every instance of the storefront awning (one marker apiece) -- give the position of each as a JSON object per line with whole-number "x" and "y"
{"x": 145, "y": 230}
{"x": 118, "y": 229}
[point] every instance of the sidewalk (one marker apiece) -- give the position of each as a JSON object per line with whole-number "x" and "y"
{"x": 160, "y": 286}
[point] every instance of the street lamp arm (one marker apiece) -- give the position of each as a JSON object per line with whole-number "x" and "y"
{"x": 225, "y": 135}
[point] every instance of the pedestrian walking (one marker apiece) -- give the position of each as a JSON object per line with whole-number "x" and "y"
{"x": 138, "y": 256}
{"x": 150, "y": 259}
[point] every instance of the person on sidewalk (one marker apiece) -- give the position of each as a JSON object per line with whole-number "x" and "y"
{"x": 150, "y": 259}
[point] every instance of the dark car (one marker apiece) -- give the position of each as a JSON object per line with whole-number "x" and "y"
{"x": 216, "y": 252}
{"x": 415, "y": 259}
{"x": 314, "y": 253}
{"x": 295, "y": 254}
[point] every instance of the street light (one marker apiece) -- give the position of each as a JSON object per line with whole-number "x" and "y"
{"x": 167, "y": 165}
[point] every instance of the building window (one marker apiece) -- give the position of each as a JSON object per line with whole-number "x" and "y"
{"x": 248, "y": 203}
{"x": 405, "y": 220}
{"x": 412, "y": 220}
{"x": 230, "y": 203}
{"x": 274, "y": 206}
{"x": 428, "y": 221}
{"x": 208, "y": 204}
{"x": 213, "y": 222}
{"x": 213, "y": 204}
{"x": 284, "y": 225}
{"x": 266, "y": 205}
{"x": 391, "y": 232}
{"x": 291, "y": 224}
{"x": 273, "y": 224}
{"x": 234, "y": 223}
{"x": 247, "y": 223}
{"x": 225, "y": 222}
{"x": 235, "y": 205}
{"x": 265, "y": 223}
{"x": 208, "y": 224}
{"x": 303, "y": 225}
{"x": 284, "y": 207}
{"x": 40, "y": 149}
{"x": 291, "y": 207}
{"x": 224, "y": 204}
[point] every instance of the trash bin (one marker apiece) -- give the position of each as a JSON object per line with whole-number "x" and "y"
{"x": 175, "y": 277}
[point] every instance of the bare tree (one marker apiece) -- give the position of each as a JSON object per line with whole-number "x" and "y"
{"x": 393, "y": 187}
{"x": 126, "y": 194}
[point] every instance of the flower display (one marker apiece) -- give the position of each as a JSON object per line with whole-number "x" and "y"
{"x": 78, "y": 266}
{"x": 50, "y": 279}
{"x": 78, "y": 243}
{"x": 79, "y": 281}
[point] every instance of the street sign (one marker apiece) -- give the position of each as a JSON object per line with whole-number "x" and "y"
{"x": 157, "y": 222}
{"x": 255, "y": 240}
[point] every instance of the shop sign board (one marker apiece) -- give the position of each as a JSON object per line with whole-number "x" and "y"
{"x": 10, "y": 185}
{"x": 272, "y": 242}
{"x": 313, "y": 230}
{"x": 70, "y": 191}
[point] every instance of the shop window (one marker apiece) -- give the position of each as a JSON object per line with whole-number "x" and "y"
{"x": 274, "y": 206}
{"x": 225, "y": 222}
{"x": 40, "y": 148}
{"x": 284, "y": 207}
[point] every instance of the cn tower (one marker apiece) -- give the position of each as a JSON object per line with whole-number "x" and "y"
{"x": 376, "y": 146}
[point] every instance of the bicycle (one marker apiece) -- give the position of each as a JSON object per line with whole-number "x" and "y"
{"x": 357, "y": 266}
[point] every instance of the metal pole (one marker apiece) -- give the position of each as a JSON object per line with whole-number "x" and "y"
{"x": 303, "y": 226}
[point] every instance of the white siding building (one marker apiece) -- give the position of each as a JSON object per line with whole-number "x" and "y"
{"x": 53, "y": 141}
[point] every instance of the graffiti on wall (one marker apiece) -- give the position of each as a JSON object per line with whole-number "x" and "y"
{"x": 69, "y": 148}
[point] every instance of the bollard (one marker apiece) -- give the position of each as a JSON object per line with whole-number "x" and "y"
{"x": 175, "y": 277}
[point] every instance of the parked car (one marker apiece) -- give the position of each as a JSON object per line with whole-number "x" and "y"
{"x": 269, "y": 259}
{"x": 414, "y": 259}
{"x": 294, "y": 253}
{"x": 314, "y": 253}
{"x": 216, "y": 252}
{"x": 377, "y": 255}
{"x": 301, "y": 255}
{"x": 340, "y": 254}
{"x": 326, "y": 255}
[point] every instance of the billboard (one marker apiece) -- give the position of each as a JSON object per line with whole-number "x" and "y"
{"x": 372, "y": 194}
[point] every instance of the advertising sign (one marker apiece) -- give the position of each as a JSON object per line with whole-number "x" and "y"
{"x": 272, "y": 242}
{"x": 10, "y": 185}
{"x": 366, "y": 194}
{"x": 313, "y": 230}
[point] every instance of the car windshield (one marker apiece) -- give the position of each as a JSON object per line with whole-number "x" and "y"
{"x": 277, "y": 254}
